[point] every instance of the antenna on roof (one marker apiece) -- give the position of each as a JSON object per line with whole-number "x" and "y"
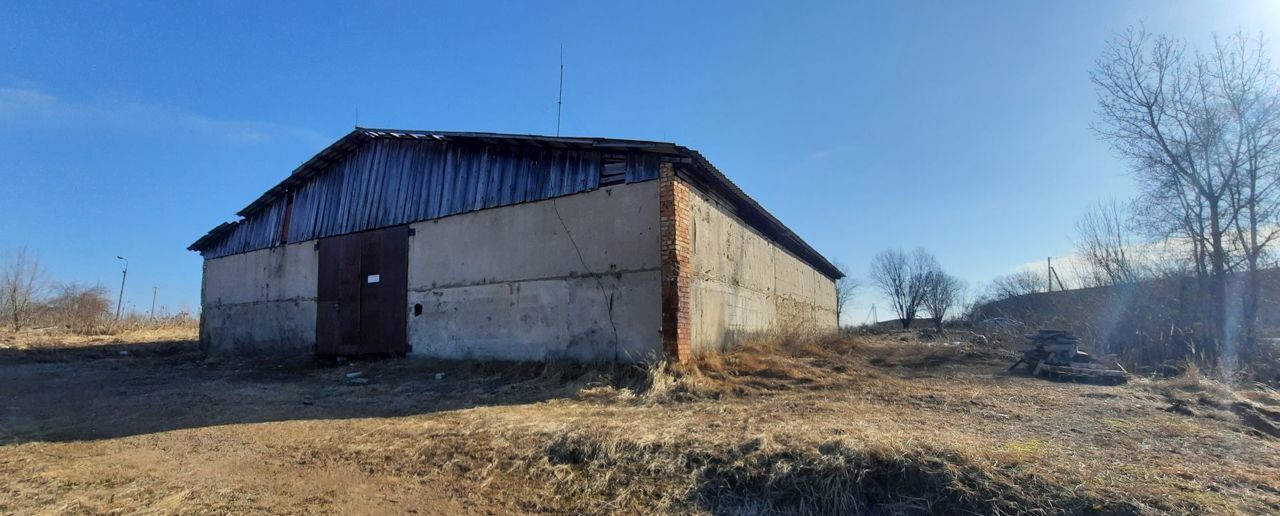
{"x": 560, "y": 97}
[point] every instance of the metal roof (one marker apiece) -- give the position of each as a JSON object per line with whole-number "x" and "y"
{"x": 748, "y": 208}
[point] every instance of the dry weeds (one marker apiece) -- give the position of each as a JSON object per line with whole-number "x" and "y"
{"x": 131, "y": 334}
{"x": 46, "y": 345}
{"x": 812, "y": 425}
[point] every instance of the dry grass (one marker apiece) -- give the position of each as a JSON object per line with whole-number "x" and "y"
{"x": 777, "y": 363}
{"x": 956, "y": 467}
{"x": 593, "y": 471}
{"x": 55, "y": 344}
{"x": 814, "y": 425}
{"x": 1257, "y": 408}
{"x": 130, "y": 334}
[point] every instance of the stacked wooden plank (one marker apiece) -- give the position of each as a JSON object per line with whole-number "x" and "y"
{"x": 1056, "y": 354}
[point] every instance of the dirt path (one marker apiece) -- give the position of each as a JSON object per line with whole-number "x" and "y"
{"x": 173, "y": 432}
{"x": 181, "y": 433}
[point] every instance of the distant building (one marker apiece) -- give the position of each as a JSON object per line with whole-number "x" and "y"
{"x": 497, "y": 246}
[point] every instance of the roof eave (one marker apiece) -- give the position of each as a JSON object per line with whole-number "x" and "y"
{"x": 806, "y": 252}
{"x": 326, "y": 156}
{"x": 360, "y": 135}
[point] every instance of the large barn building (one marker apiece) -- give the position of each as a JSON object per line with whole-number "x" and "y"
{"x": 498, "y": 246}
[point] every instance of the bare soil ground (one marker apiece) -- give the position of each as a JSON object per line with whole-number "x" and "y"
{"x": 883, "y": 425}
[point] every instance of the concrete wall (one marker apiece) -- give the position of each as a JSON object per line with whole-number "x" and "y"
{"x": 742, "y": 283}
{"x": 1145, "y": 323}
{"x": 260, "y": 301}
{"x": 575, "y": 277}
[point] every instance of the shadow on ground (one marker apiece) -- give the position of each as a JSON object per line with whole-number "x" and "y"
{"x": 117, "y": 390}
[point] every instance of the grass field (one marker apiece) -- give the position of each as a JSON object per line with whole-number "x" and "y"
{"x": 886, "y": 424}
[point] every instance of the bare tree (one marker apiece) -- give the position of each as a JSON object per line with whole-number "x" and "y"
{"x": 942, "y": 292}
{"x": 81, "y": 308}
{"x": 1105, "y": 247}
{"x": 1199, "y": 131}
{"x": 22, "y": 281}
{"x": 1019, "y": 283}
{"x": 1154, "y": 112}
{"x": 902, "y": 279}
{"x": 1249, "y": 92}
{"x": 845, "y": 287}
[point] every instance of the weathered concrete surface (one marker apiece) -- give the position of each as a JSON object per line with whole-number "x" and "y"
{"x": 577, "y": 277}
{"x": 574, "y": 277}
{"x": 260, "y": 301}
{"x": 744, "y": 284}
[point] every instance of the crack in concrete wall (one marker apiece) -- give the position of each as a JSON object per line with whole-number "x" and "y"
{"x": 610, "y": 274}
{"x": 574, "y": 277}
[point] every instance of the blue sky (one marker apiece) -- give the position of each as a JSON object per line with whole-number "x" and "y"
{"x": 133, "y": 127}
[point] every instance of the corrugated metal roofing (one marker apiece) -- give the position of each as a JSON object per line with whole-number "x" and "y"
{"x": 374, "y": 178}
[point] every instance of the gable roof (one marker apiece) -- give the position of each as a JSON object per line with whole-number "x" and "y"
{"x": 707, "y": 176}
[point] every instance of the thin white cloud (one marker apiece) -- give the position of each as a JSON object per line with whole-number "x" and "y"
{"x": 819, "y": 160}
{"x": 16, "y": 101}
{"x": 1146, "y": 255}
{"x": 25, "y": 107}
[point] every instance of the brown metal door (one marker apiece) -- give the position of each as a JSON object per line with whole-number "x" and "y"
{"x": 361, "y": 293}
{"x": 384, "y": 270}
{"x": 338, "y": 296}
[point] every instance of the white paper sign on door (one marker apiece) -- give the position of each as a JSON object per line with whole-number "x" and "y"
{"x": 374, "y": 278}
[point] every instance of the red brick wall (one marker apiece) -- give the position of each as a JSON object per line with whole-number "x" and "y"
{"x": 675, "y": 225}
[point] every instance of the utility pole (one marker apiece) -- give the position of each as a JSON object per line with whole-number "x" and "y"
{"x": 1049, "y": 271}
{"x": 154, "y": 291}
{"x": 123, "y": 276}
